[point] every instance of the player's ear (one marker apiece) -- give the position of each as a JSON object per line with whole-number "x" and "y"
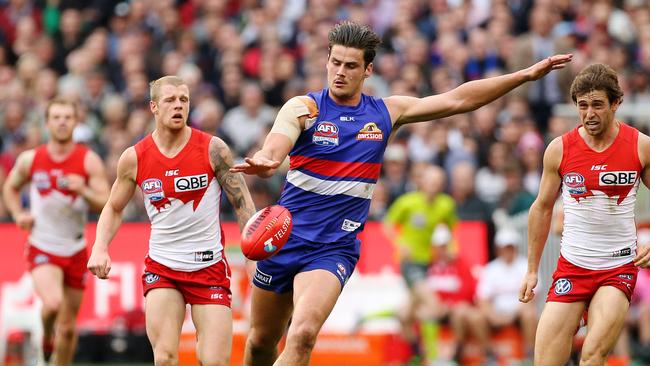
{"x": 153, "y": 107}
{"x": 616, "y": 104}
{"x": 369, "y": 69}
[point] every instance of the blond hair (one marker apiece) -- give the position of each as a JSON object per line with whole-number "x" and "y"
{"x": 61, "y": 101}
{"x": 154, "y": 86}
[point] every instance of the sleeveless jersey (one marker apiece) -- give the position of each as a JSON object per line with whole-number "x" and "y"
{"x": 60, "y": 215}
{"x": 599, "y": 193}
{"x": 182, "y": 198}
{"x": 334, "y": 167}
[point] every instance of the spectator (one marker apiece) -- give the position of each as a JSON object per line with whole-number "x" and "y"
{"x": 498, "y": 288}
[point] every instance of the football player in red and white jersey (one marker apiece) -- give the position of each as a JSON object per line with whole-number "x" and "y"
{"x": 597, "y": 167}
{"x": 181, "y": 172}
{"x": 67, "y": 179}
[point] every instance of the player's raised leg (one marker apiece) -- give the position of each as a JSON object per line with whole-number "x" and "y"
{"x": 165, "y": 312}
{"x": 315, "y": 294}
{"x": 66, "y": 329}
{"x": 557, "y": 326}
{"x": 48, "y": 283}
{"x": 214, "y": 334}
{"x": 270, "y": 315}
{"x": 607, "y": 312}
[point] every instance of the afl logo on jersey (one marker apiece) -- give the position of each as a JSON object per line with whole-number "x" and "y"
{"x": 41, "y": 180}
{"x": 153, "y": 189}
{"x": 562, "y": 286}
{"x": 326, "y": 134}
{"x": 575, "y": 183}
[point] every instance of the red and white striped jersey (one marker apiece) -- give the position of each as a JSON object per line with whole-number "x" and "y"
{"x": 182, "y": 198}
{"x": 60, "y": 215}
{"x": 599, "y": 192}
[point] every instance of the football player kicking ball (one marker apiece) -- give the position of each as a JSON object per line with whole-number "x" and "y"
{"x": 181, "y": 172}
{"x": 597, "y": 166}
{"x": 336, "y": 139}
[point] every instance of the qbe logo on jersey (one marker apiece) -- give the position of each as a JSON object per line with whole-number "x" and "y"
{"x": 190, "y": 183}
{"x": 153, "y": 189}
{"x": 622, "y": 178}
{"x": 327, "y": 134}
{"x": 575, "y": 183}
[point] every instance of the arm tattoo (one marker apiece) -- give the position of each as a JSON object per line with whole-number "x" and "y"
{"x": 232, "y": 183}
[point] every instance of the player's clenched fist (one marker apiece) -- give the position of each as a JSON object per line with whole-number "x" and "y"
{"x": 99, "y": 264}
{"x": 527, "y": 293}
{"x": 25, "y": 221}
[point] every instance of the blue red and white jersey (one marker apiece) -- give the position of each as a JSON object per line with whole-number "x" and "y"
{"x": 599, "y": 193}
{"x": 334, "y": 167}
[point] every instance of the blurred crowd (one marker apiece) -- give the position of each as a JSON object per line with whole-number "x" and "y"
{"x": 243, "y": 58}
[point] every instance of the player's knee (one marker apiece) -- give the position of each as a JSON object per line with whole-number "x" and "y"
{"x": 303, "y": 337}
{"x": 261, "y": 341}
{"x": 164, "y": 357}
{"x": 66, "y": 331}
{"x": 51, "y": 305}
{"x": 214, "y": 361}
{"x": 593, "y": 355}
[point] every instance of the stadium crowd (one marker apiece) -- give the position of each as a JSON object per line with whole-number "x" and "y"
{"x": 242, "y": 59}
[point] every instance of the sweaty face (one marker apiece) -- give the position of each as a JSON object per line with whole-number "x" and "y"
{"x": 61, "y": 121}
{"x": 595, "y": 111}
{"x": 346, "y": 73}
{"x": 173, "y": 106}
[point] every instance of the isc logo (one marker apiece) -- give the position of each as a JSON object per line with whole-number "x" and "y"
{"x": 617, "y": 178}
{"x": 190, "y": 183}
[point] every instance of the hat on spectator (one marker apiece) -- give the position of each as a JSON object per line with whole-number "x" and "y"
{"x": 395, "y": 152}
{"x": 441, "y": 235}
{"x": 530, "y": 140}
{"x": 505, "y": 237}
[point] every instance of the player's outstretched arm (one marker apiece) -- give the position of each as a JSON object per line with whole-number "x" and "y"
{"x": 286, "y": 129}
{"x": 111, "y": 217}
{"x": 540, "y": 214}
{"x": 231, "y": 183}
{"x": 18, "y": 177}
{"x": 96, "y": 191}
{"x": 468, "y": 96}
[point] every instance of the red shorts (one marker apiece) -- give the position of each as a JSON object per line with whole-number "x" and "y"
{"x": 573, "y": 284}
{"x": 209, "y": 285}
{"x": 74, "y": 267}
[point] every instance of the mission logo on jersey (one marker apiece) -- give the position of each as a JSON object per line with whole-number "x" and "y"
{"x": 371, "y": 132}
{"x": 327, "y": 134}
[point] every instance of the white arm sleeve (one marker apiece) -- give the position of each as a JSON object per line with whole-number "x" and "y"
{"x": 287, "y": 122}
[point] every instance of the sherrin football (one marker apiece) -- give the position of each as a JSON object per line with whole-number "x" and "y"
{"x": 266, "y": 232}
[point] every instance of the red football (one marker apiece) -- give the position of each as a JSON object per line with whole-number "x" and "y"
{"x": 266, "y": 232}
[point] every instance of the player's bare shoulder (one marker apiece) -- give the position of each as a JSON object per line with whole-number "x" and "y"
{"x": 644, "y": 149}
{"x": 553, "y": 153}
{"x": 220, "y": 156}
{"x": 127, "y": 165}
{"x": 20, "y": 174}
